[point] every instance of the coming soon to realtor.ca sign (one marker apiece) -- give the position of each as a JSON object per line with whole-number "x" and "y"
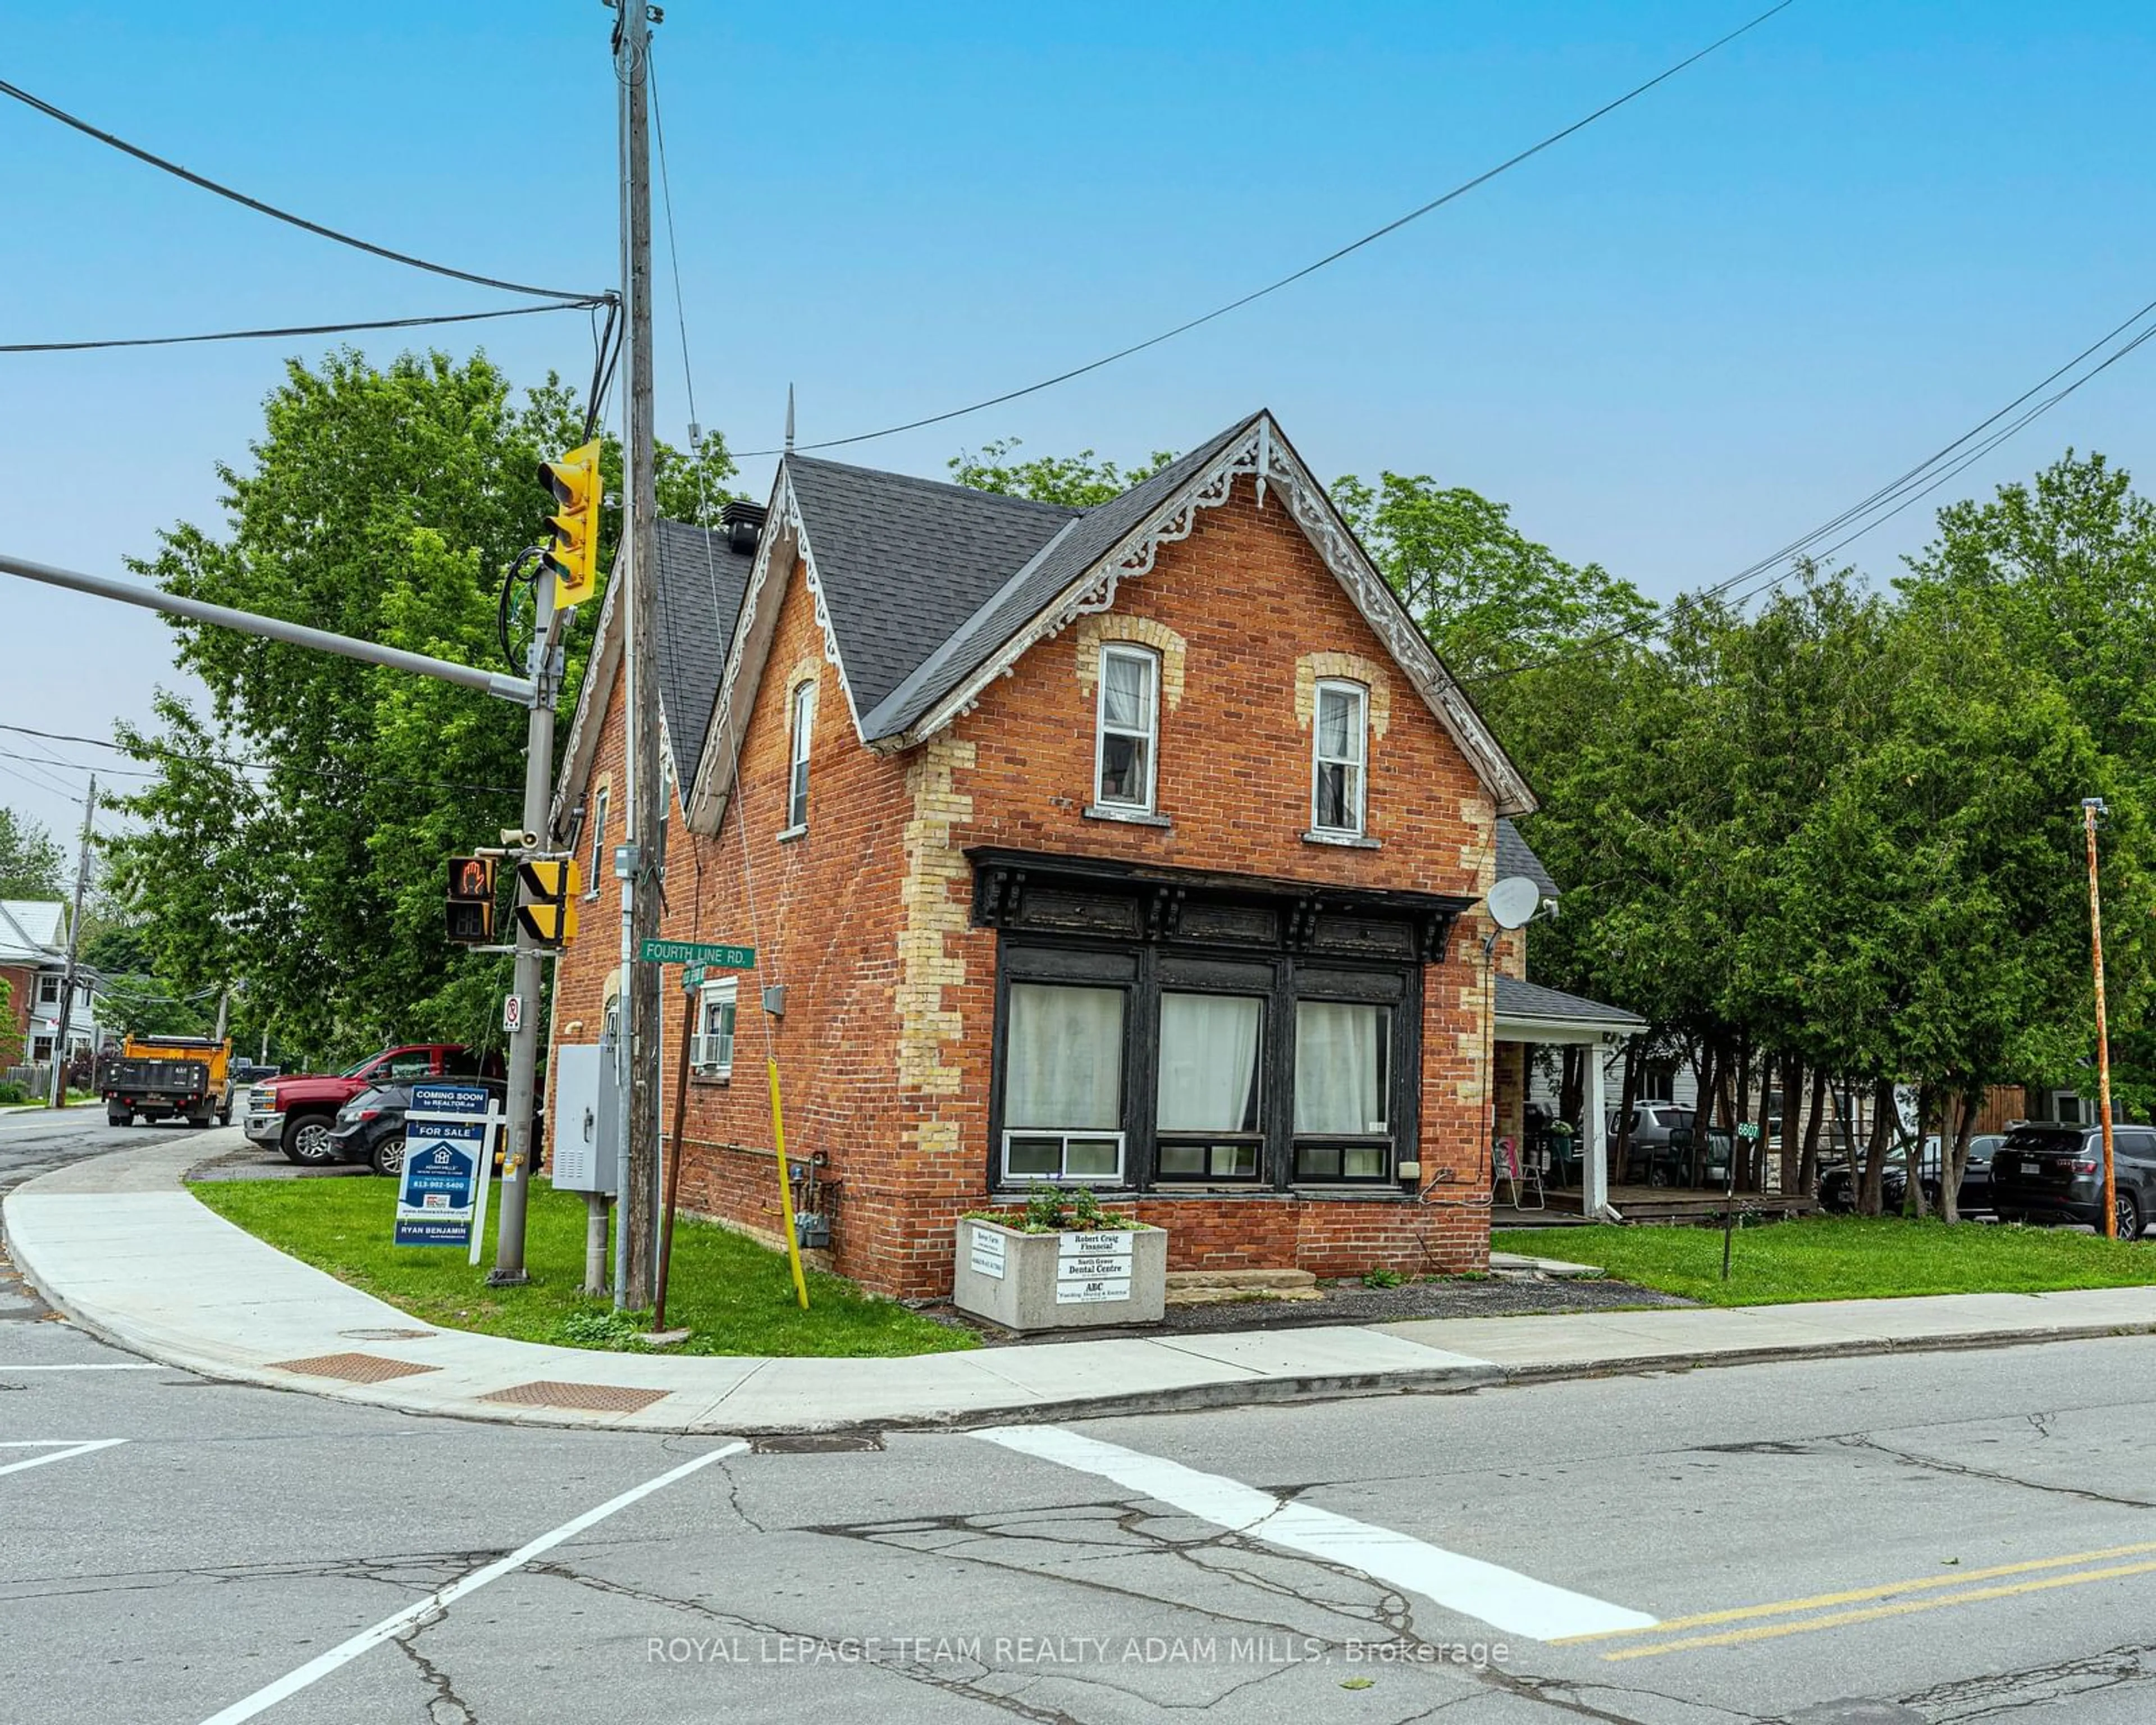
{"x": 445, "y": 1143}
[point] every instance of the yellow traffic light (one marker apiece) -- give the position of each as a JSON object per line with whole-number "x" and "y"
{"x": 573, "y": 556}
{"x": 548, "y": 913}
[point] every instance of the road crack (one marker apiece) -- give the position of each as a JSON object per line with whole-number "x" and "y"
{"x": 1963, "y": 1470}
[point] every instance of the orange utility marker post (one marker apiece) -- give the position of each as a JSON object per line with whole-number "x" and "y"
{"x": 2092, "y": 807}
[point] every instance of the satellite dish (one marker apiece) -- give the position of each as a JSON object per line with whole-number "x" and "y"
{"x": 1514, "y": 902}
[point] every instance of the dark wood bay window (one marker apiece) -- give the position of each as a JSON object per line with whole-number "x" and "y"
{"x": 1160, "y": 1029}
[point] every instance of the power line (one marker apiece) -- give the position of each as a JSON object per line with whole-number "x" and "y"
{"x": 159, "y": 752}
{"x": 1311, "y": 269}
{"x": 313, "y": 329}
{"x": 1882, "y": 505}
{"x": 271, "y": 210}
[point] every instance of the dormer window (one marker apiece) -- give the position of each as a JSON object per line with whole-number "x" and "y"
{"x": 1127, "y": 737}
{"x": 1340, "y": 751}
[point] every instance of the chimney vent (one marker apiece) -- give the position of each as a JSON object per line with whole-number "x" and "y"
{"x": 743, "y": 523}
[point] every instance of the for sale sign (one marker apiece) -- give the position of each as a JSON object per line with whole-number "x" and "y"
{"x": 446, "y": 1143}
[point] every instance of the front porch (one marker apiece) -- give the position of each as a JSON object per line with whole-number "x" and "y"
{"x": 1527, "y": 1016}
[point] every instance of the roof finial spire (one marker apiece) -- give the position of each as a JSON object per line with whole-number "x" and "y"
{"x": 789, "y": 418}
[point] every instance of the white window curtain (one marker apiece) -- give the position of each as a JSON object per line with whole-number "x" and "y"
{"x": 1208, "y": 1063}
{"x": 1064, "y": 1059}
{"x": 1339, "y": 1067}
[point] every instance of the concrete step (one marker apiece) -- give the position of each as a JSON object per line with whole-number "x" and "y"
{"x": 1240, "y": 1278}
{"x": 1246, "y": 1296}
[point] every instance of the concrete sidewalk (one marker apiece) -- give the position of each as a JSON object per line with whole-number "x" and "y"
{"x": 119, "y": 1245}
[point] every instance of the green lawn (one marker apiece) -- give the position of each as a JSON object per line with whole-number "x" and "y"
{"x": 1844, "y": 1258}
{"x": 736, "y": 1295}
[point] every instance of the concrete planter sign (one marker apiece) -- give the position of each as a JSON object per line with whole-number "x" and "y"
{"x": 1060, "y": 1280}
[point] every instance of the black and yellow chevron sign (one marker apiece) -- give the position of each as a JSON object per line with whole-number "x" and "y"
{"x": 547, "y": 910}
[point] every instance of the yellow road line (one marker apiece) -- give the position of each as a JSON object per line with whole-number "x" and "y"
{"x": 1960, "y": 1577}
{"x": 1768, "y": 1631}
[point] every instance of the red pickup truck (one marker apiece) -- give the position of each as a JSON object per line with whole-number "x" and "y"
{"x": 296, "y": 1115}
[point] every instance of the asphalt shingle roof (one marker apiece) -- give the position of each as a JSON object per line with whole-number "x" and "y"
{"x": 699, "y": 595}
{"x": 1516, "y": 856}
{"x": 905, "y": 562}
{"x": 1518, "y": 999}
{"x": 1083, "y": 540}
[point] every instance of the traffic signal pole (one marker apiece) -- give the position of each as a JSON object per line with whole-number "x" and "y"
{"x": 518, "y": 1153}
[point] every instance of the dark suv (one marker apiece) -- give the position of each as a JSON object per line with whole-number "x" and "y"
{"x": 2055, "y": 1173}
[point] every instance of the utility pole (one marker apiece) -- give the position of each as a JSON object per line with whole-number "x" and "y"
{"x": 75, "y": 941}
{"x": 640, "y": 1020}
{"x": 516, "y": 1160}
{"x": 2092, "y": 807}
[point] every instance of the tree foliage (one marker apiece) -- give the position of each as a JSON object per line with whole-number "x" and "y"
{"x": 31, "y": 863}
{"x": 294, "y": 838}
{"x": 1078, "y": 481}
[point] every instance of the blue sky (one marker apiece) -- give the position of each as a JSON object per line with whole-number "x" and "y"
{"x": 1671, "y": 343}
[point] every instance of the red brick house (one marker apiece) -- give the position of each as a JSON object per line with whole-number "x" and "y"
{"x": 1139, "y": 846}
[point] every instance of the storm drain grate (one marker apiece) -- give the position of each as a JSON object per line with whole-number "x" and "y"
{"x": 352, "y": 1368}
{"x": 599, "y": 1398}
{"x": 815, "y": 1443}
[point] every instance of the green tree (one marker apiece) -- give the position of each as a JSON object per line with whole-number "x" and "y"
{"x": 1079, "y": 481}
{"x": 1489, "y": 598}
{"x": 293, "y": 840}
{"x": 31, "y": 864}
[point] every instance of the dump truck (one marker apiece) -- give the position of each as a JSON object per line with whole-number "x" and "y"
{"x": 168, "y": 1077}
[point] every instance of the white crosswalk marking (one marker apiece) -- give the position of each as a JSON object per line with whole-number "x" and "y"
{"x": 1502, "y": 1598}
{"x": 57, "y": 1449}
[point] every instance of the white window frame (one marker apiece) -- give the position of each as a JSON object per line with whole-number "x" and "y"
{"x": 801, "y": 726}
{"x": 1063, "y": 1176}
{"x": 594, "y": 875}
{"x": 1359, "y": 762}
{"x": 49, "y": 990}
{"x": 712, "y": 1055}
{"x": 1151, "y": 734}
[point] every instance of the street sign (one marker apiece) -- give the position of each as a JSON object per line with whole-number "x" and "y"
{"x": 447, "y": 1138}
{"x": 704, "y": 953}
{"x": 512, "y": 1012}
{"x": 692, "y": 979}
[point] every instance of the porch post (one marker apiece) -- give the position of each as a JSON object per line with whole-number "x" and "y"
{"x": 1595, "y": 1164}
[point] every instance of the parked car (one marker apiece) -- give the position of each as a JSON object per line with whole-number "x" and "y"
{"x": 1838, "y": 1182}
{"x": 370, "y": 1128}
{"x": 1648, "y": 1157}
{"x": 2055, "y": 1173}
{"x": 296, "y": 1114}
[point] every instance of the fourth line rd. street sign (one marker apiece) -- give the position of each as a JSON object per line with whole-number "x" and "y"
{"x": 704, "y": 953}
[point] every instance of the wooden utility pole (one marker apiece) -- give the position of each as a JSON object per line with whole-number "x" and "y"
{"x": 74, "y": 942}
{"x": 2092, "y": 807}
{"x": 638, "y": 1239}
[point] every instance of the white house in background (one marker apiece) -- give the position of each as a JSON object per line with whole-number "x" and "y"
{"x": 33, "y": 964}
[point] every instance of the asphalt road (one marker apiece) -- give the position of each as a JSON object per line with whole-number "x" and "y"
{"x": 1943, "y": 1536}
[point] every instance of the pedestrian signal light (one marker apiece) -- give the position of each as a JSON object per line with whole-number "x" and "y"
{"x": 470, "y": 907}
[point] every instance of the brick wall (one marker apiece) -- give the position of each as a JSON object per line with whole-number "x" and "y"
{"x": 883, "y": 1049}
